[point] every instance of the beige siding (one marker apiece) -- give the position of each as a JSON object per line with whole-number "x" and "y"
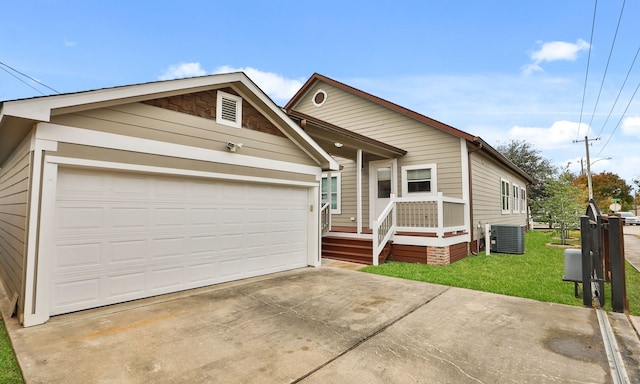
{"x": 14, "y": 195}
{"x": 486, "y": 195}
{"x": 154, "y": 123}
{"x": 424, "y": 144}
{"x": 348, "y": 199}
{"x": 111, "y": 155}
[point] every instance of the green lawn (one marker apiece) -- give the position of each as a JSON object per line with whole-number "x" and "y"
{"x": 9, "y": 371}
{"x": 535, "y": 275}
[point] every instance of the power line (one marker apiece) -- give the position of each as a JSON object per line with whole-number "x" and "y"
{"x": 21, "y": 80}
{"x": 607, "y": 66}
{"x": 28, "y": 77}
{"x": 586, "y": 75}
{"x": 620, "y": 92}
{"x": 620, "y": 120}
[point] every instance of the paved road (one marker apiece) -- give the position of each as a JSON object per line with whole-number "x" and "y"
{"x": 632, "y": 245}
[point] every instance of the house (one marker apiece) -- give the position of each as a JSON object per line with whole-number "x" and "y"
{"x": 413, "y": 188}
{"x": 122, "y": 193}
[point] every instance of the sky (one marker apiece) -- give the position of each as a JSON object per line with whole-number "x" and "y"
{"x": 548, "y": 72}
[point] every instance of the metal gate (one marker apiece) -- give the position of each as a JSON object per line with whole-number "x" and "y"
{"x": 602, "y": 245}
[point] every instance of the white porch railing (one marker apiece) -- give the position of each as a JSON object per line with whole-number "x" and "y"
{"x": 428, "y": 214}
{"x": 325, "y": 219}
{"x": 437, "y": 214}
{"x": 383, "y": 229}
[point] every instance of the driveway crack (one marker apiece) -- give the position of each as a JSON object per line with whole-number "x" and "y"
{"x": 369, "y": 337}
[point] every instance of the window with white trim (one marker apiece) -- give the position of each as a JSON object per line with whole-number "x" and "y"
{"x": 336, "y": 186}
{"x": 523, "y": 200}
{"x": 228, "y": 109}
{"x": 516, "y": 199}
{"x": 419, "y": 179}
{"x": 505, "y": 193}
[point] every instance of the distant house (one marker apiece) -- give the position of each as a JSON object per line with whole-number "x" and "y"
{"x": 122, "y": 193}
{"x": 416, "y": 189}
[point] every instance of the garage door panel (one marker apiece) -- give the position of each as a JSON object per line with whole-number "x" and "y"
{"x": 129, "y": 285}
{"x": 144, "y": 235}
{"x": 164, "y": 278}
{"x": 81, "y": 255}
{"x": 168, "y": 217}
{"x": 85, "y": 292}
{"x": 128, "y": 217}
{"x": 73, "y": 219}
{"x": 169, "y": 247}
{"x": 129, "y": 185}
{"x": 127, "y": 251}
{"x": 203, "y": 216}
{"x": 203, "y": 273}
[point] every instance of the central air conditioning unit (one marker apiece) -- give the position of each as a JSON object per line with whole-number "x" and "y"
{"x": 507, "y": 239}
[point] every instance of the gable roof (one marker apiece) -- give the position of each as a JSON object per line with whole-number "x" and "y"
{"x": 17, "y": 117}
{"x": 471, "y": 139}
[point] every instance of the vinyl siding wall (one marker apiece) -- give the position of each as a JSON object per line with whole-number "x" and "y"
{"x": 154, "y": 123}
{"x": 349, "y": 195}
{"x": 424, "y": 144}
{"x": 14, "y": 195}
{"x": 487, "y": 199}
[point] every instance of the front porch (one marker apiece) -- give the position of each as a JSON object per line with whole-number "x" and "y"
{"x": 428, "y": 230}
{"x": 386, "y": 208}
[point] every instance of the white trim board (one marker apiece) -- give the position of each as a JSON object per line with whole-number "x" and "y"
{"x": 66, "y": 134}
{"x": 108, "y": 165}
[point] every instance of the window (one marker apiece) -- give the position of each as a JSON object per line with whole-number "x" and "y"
{"x": 516, "y": 199}
{"x": 505, "y": 195}
{"x": 523, "y": 200}
{"x": 229, "y": 109}
{"x": 419, "y": 179}
{"x": 335, "y": 191}
{"x": 384, "y": 182}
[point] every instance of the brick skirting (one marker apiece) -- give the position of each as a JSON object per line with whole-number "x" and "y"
{"x": 429, "y": 254}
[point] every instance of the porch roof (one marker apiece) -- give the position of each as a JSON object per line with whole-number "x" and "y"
{"x": 344, "y": 143}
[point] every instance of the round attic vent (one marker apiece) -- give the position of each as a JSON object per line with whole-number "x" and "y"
{"x": 319, "y": 98}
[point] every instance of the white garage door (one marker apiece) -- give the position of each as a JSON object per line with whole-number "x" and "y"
{"x": 124, "y": 236}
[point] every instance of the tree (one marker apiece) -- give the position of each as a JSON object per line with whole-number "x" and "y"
{"x": 607, "y": 189}
{"x": 541, "y": 170}
{"x": 563, "y": 205}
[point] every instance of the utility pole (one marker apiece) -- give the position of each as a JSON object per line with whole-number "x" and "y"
{"x": 589, "y": 182}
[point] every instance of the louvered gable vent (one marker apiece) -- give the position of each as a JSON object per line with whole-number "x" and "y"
{"x": 229, "y": 109}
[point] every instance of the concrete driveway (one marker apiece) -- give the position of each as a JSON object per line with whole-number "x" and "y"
{"x": 322, "y": 325}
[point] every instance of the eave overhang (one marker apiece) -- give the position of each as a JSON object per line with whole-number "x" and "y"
{"x": 341, "y": 142}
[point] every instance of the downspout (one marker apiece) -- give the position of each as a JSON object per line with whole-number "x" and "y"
{"x": 479, "y": 146}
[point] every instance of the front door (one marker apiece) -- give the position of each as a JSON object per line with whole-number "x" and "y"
{"x": 382, "y": 183}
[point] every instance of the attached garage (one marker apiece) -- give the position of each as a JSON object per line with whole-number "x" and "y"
{"x": 122, "y": 236}
{"x": 131, "y": 192}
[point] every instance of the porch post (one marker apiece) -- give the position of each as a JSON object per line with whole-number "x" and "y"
{"x": 359, "y": 191}
{"x": 329, "y": 197}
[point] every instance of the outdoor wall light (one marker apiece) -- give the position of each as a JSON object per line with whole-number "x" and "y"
{"x": 232, "y": 147}
{"x": 338, "y": 145}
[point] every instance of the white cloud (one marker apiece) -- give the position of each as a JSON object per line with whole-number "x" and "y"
{"x": 554, "y": 51}
{"x": 70, "y": 43}
{"x": 560, "y": 134}
{"x": 559, "y": 50}
{"x": 631, "y": 126}
{"x": 182, "y": 70}
{"x": 276, "y": 86}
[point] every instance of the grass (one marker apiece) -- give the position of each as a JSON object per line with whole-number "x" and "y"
{"x": 535, "y": 275}
{"x": 9, "y": 370}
